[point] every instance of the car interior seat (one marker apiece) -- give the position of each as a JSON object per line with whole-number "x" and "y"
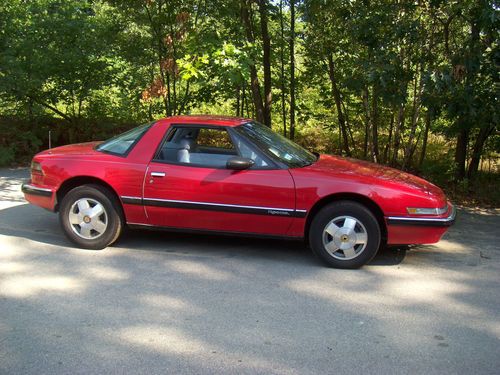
{"x": 186, "y": 145}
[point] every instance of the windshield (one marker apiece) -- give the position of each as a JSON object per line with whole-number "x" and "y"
{"x": 275, "y": 144}
{"x": 122, "y": 144}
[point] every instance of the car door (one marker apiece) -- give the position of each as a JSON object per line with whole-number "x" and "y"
{"x": 188, "y": 186}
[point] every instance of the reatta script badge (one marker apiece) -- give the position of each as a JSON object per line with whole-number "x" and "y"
{"x": 274, "y": 212}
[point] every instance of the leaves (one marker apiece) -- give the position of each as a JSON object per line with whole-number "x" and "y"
{"x": 393, "y": 62}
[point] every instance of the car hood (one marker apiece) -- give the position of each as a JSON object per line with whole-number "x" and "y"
{"x": 73, "y": 149}
{"x": 374, "y": 174}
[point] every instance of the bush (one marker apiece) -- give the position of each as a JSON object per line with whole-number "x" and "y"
{"x": 7, "y": 156}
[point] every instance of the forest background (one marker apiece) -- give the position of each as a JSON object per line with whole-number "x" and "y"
{"x": 411, "y": 84}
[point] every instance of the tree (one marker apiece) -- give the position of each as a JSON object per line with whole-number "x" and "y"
{"x": 292, "y": 69}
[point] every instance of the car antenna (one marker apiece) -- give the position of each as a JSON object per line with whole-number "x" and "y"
{"x": 50, "y": 139}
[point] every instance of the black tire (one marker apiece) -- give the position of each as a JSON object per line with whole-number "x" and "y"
{"x": 340, "y": 214}
{"x": 110, "y": 219}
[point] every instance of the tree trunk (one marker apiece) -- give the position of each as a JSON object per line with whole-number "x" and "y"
{"x": 157, "y": 48}
{"x": 185, "y": 100}
{"x": 471, "y": 77}
{"x": 254, "y": 79}
{"x": 238, "y": 98}
{"x": 374, "y": 118}
{"x": 266, "y": 45}
{"x": 292, "y": 69}
{"x": 174, "y": 105}
{"x": 477, "y": 151}
{"x": 338, "y": 104}
{"x": 397, "y": 134}
{"x": 347, "y": 123}
{"x": 366, "y": 107}
{"x": 461, "y": 153}
{"x": 428, "y": 119}
{"x": 417, "y": 93}
{"x": 244, "y": 102}
{"x": 168, "y": 102}
{"x": 389, "y": 140}
{"x": 282, "y": 68}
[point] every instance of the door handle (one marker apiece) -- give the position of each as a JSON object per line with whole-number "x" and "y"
{"x": 157, "y": 174}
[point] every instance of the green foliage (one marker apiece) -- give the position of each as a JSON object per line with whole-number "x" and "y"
{"x": 7, "y": 156}
{"x": 396, "y": 73}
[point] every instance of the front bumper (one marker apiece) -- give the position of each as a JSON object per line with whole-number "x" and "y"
{"x": 39, "y": 196}
{"x": 404, "y": 230}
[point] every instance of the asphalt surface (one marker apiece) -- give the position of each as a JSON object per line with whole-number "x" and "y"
{"x": 163, "y": 303}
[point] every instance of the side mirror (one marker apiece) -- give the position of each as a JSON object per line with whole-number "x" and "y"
{"x": 238, "y": 163}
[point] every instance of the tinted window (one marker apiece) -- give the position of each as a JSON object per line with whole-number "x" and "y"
{"x": 249, "y": 151}
{"x": 276, "y": 145}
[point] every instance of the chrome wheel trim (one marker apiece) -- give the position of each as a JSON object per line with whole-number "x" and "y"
{"x": 88, "y": 218}
{"x": 345, "y": 237}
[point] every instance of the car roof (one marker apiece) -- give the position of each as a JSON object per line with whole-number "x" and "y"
{"x": 215, "y": 120}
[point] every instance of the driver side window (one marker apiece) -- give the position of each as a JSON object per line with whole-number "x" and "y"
{"x": 198, "y": 146}
{"x": 208, "y": 147}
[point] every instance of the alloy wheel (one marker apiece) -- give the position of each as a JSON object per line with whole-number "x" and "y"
{"x": 345, "y": 237}
{"x": 88, "y": 218}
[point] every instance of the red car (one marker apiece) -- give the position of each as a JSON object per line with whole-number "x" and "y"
{"x": 233, "y": 175}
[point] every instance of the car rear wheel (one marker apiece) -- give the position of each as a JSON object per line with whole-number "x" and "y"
{"x": 345, "y": 234}
{"x": 91, "y": 217}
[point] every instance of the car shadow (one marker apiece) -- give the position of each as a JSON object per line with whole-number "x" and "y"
{"x": 38, "y": 225}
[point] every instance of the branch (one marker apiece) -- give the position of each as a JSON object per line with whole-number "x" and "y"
{"x": 52, "y": 108}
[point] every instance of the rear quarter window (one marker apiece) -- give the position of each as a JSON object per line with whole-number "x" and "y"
{"x": 122, "y": 144}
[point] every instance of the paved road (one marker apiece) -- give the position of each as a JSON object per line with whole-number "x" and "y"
{"x": 159, "y": 303}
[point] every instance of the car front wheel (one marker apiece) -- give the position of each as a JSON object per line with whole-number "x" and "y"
{"x": 345, "y": 234}
{"x": 90, "y": 217}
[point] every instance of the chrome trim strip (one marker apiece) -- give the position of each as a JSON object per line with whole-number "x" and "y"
{"x": 131, "y": 200}
{"x": 259, "y": 210}
{"x": 219, "y": 204}
{"x": 35, "y": 190}
{"x": 430, "y": 221}
{"x": 32, "y": 187}
{"x": 443, "y": 210}
{"x": 140, "y": 224}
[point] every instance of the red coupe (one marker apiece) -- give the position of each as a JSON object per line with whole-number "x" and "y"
{"x": 232, "y": 175}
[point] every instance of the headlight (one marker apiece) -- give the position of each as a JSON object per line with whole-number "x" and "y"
{"x": 426, "y": 211}
{"x": 36, "y": 167}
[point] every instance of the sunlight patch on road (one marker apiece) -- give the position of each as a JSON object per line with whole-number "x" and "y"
{"x": 432, "y": 291}
{"x": 162, "y": 339}
{"x": 104, "y": 273}
{"x": 7, "y": 267}
{"x": 167, "y": 303}
{"x": 403, "y": 290}
{"x": 11, "y": 247}
{"x": 174, "y": 341}
{"x": 450, "y": 246}
{"x": 27, "y": 286}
